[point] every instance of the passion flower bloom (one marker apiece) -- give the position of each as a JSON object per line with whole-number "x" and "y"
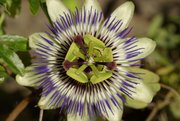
{"x": 87, "y": 65}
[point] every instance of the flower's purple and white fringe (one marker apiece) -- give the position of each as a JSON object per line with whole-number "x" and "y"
{"x": 107, "y": 97}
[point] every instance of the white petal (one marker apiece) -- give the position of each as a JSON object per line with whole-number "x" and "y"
{"x": 116, "y": 115}
{"x": 125, "y": 13}
{"x": 148, "y": 45}
{"x": 28, "y": 79}
{"x": 45, "y": 100}
{"x": 36, "y": 38}
{"x": 132, "y": 51}
{"x": 136, "y": 104}
{"x": 92, "y": 3}
{"x": 146, "y": 88}
{"x": 143, "y": 93}
{"x": 71, "y": 117}
{"x": 55, "y": 9}
{"x": 91, "y": 11}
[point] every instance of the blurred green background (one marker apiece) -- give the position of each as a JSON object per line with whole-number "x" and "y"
{"x": 157, "y": 19}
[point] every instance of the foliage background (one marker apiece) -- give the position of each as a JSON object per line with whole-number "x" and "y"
{"x": 157, "y": 19}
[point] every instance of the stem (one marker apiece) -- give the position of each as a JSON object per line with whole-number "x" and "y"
{"x": 164, "y": 103}
{"x": 159, "y": 106}
{"x": 19, "y": 108}
{"x": 22, "y": 105}
{"x": 170, "y": 88}
{"x": 41, "y": 115}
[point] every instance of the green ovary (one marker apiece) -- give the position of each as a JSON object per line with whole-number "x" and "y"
{"x": 97, "y": 53}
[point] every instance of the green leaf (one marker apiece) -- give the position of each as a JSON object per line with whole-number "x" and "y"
{"x": 1, "y": 68}
{"x": 155, "y": 25}
{"x": 2, "y": 18}
{"x": 34, "y": 6}
{"x": 165, "y": 70}
{"x": 13, "y": 7}
{"x": 11, "y": 59}
{"x": 42, "y": 1}
{"x": 175, "y": 108}
{"x": 14, "y": 42}
{"x": 72, "y": 4}
{"x": 2, "y": 2}
{"x": 3, "y": 76}
{"x": 161, "y": 58}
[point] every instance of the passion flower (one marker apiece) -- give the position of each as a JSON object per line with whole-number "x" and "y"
{"x": 88, "y": 65}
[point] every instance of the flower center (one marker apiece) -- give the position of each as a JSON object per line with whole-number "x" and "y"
{"x": 89, "y": 60}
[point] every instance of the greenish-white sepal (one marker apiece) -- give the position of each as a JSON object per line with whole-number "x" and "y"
{"x": 88, "y": 4}
{"x": 124, "y": 13}
{"x": 29, "y": 78}
{"x": 55, "y": 9}
{"x": 71, "y": 117}
{"x": 45, "y": 100}
{"x": 115, "y": 114}
{"x": 36, "y": 38}
{"x": 148, "y": 46}
{"x": 136, "y": 104}
{"x": 144, "y": 90}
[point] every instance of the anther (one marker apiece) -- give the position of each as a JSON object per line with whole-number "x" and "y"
{"x": 80, "y": 41}
{"x": 68, "y": 64}
{"x": 109, "y": 65}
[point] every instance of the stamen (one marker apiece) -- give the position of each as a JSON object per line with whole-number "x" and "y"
{"x": 110, "y": 65}
{"x": 80, "y": 41}
{"x": 67, "y": 64}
